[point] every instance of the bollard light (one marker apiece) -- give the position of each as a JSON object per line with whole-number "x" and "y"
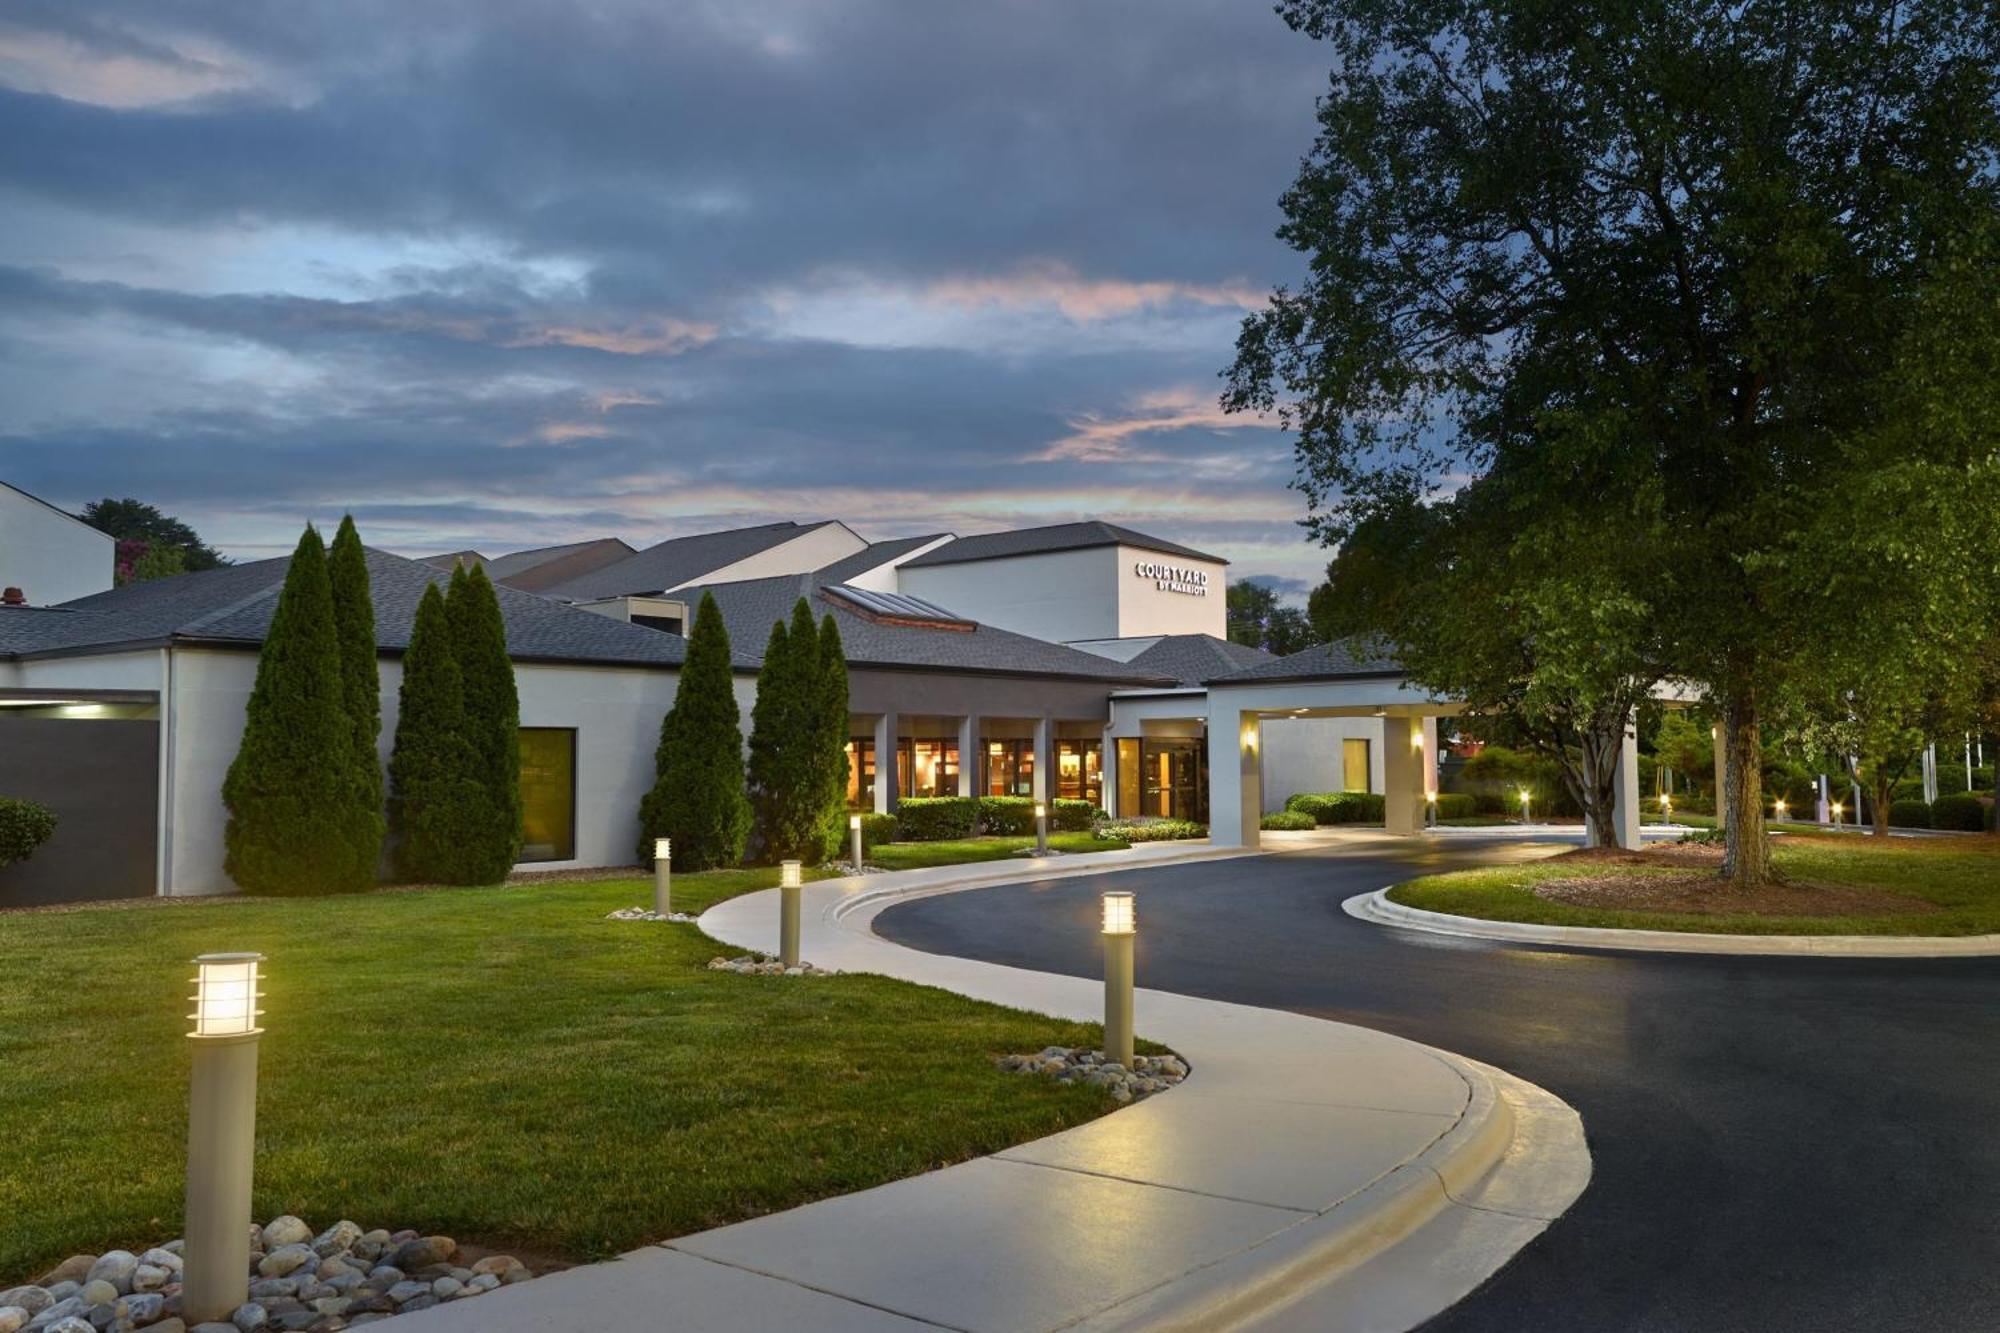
{"x": 1524, "y": 804}
{"x": 1041, "y": 829}
{"x": 790, "y": 877}
{"x": 854, "y": 837}
{"x": 663, "y": 876}
{"x": 1120, "y": 925}
{"x": 1779, "y": 806}
{"x": 222, "y": 1135}
{"x": 1836, "y": 814}
{"x": 1666, "y": 809}
{"x": 1431, "y": 808}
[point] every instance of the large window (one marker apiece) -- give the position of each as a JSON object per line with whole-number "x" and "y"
{"x": 548, "y": 794}
{"x": 927, "y": 767}
{"x": 1163, "y": 776}
{"x": 1010, "y": 768}
{"x": 1080, "y": 770}
{"x": 861, "y": 774}
{"x": 1354, "y": 763}
{"x": 1131, "y": 777}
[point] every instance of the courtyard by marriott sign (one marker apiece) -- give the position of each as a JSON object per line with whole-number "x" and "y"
{"x": 1173, "y": 578}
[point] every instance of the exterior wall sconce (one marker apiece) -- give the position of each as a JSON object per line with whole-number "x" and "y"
{"x": 663, "y": 875}
{"x": 790, "y": 878}
{"x": 1120, "y": 926}
{"x": 222, "y": 1134}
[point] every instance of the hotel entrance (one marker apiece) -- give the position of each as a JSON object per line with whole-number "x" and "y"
{"x": 1163, "y": 776}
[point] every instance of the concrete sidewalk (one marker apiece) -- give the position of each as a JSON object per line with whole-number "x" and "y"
{"x": 1307, "y": 1174}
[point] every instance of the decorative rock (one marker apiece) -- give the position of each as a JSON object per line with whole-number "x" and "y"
{"x": 31, "y": 1298}
{"x": 336, "y": 1239}
{"x": 482, "y": 1283}
{"x": 647, "y": 914}
{"x": 214, "y": 1326}
{"x": 286, "y": 1230}
{"x": 332, "y": 1304}
{"x": 1150, "y": 1074}
{"x": 115, "y": 1267}
{"x": 385, "y": 1274}
{"x": 62, "y": 1309}
{"x": 754, "y": 965}
{"x": 97, "y": 1291}
{"x": 263, "y": 1289}
{"x": 495, "y": 1264}
{"x": 286, "y": 1259}
{"x": 62, "y": 1291}
{"x": 446, "y": 1287}
{"x": 424, "y": 1250}
{"x": 171, "y": 1324}
{"x": 414, "y": 1304}
{"x": 73, "y": 1269}
{"x": 151, "y": 1277}
{"x": 249, "y": 1316}
{"x": 69, "y": 1324}
{"x": 144, "y": 1307}
{"x": 404, "y": 1292}
{"x": 12, "y": 1317}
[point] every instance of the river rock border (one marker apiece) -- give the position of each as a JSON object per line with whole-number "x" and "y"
{"x": 1077, "y": 1064}
{"x": 759, "y": 965}
{"x": 342, "y": 1278}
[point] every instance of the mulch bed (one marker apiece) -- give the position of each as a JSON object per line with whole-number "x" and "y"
{"x": 1697, "y": 891}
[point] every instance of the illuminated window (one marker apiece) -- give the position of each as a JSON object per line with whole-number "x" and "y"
{"x": 548, "y": 794}
{"x": 927, "y": 766}
{"x": 1010, "y": 768}
{"x": 1354, "y": 766}
{"x": 861, "y": 774}
{"x": 1130, "y": 772}
{"x": 1079, "y": 770}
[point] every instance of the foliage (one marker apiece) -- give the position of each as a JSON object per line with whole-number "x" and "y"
{"x": 24, "y": 826}
{"x": 933, "y": 818}
{"x": 966, "y": 851}
{"x": 141, "y": 561}
{"x": 877, "y": 830}
{"x": 1258, "y": 619}
{"x": 697, "y": 798}
{"x": 1154, "y": 830}
{"x": 1962, "y": 813}
{"x": 1909, "y": 814}
{"x": 293, "y": 821}
{"x": 834, "y": 725}
{"x": 1456, "y": 805}
{"x": 1072, "y": 815}
{"x": 492, "y": 723}
{"x": 437, "y": 810}
{"x": 1685, "y": 747}
{"x": 1339, "y": 807}
{"x": 131, "y": 521}
{"x": 1287, "y": 821}
{"x": 793, "y": 743}
{"x": 1006, "y": 814}
{"x": 360, "y": 684}
{"x": 1732, "y": 265}
{"x": 1496, "y": 775}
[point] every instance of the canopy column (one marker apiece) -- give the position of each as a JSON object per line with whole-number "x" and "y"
{"x": 1235, "y": 778}
{"x": 1408, "y": 772}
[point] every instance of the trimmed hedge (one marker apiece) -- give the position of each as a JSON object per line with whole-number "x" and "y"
{"x": 1007, "y": 815}
{"x": 24, "y": 826}
{"x": 875, "y": 830}
{"x": 937, "y": 818}
{"x": 1287, "y": 821}
{"x": 1961, "y": 814}
{"x": 1069, "y": 815}
{"x": 1456, "y": 805}
{"x": 1158, "y": 830}
{"x": 1339, "y": 807}
{"x": 1909, "y": 814}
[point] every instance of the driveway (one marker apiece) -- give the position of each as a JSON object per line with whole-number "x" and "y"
{"x": 1779, "y": 1143}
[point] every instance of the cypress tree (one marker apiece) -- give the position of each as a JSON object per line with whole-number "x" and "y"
{"x": 773, "y": 721}
{"x": 697, "y": 798}
{"x": 833, "y": 735}
{"x": 433, "y": 799}
{"x": 361, "y": 690}
{"x": 492, "y": 721}
{"x": 294, "y": 764}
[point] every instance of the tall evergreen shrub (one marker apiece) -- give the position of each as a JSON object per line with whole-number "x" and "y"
{"x": 833, "y": 736}
{"x": 434, "y": 802}
{"x": 697, "y": 798}
{"x": 790, "y": 773}
{"x": 361, "y": 688}
{"x": 492, "y": 721}
{"x": 773, "y": 722}
{"x": 290, "y": 790}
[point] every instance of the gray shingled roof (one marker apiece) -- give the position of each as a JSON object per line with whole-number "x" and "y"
{"x": 1194, "y": 658}
{"x": 749, "y": 609}
{"x": 675, "y": 561}
{"x": 545, "y": 567}
{"x": 1324, "y": 661}
{"x": 234, "y": 605}
{"x": 1056, "y": 537}
{"x": 873, "y": 556}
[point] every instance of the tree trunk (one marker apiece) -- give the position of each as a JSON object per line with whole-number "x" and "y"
{"x": 1746, "y": 854}
{"x": 1597, "y": 793}
{"x": 1880, "y": 790}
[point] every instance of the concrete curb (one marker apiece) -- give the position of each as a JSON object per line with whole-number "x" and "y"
{"x": 1378, "y": 910}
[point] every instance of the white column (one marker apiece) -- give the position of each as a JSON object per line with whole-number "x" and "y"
{"x": 1235, "y": 777}
{"x": 1045, "y": 757}
{"x": 1107, "y": 773}
{"x": 885, "y": 763}
{"x": 1403, "y": 765}
{"x": 968, "y": 755}
{"x": 1625, "y": 806}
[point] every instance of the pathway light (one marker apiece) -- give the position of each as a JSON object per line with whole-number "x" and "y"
{"x": 222, "y": 1134}
{"x": 1120, "y": 926}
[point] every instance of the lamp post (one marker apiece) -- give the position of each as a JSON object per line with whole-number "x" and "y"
{"x": 1524, "y": 804}
{"x": 854, "y": 839}
{"x": 663, "y": 876}
{"x": 1778, "y": 809}
{"x": 1041, "y": 829}
{"x": 222, "y": 1133}
{"x": 1120, "y": 924}
{"x": 790, "y": 879}
{"x": 1430, "y": 809}
{"x": 1836, "y": 814}
{"x": 1666, "y": 809}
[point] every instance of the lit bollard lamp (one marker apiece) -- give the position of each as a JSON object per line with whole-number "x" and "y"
{"x": 790, "y": 879}
{"x": 1120, "y": 925}
{"x": 1525, "y": 796}
{"x": 1431, "y": 809}
{"x": 1041, "y": 829}
{"x": 854, "y": 839}
{"x": 663, "y": 876}
{"x": 222, "y": 1133}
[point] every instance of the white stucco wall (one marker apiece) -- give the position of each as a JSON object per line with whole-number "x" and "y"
{"x": 1144, "y": 607}
{"x": 48, "y": 555}
{"x": 1055, "y": 595}
{"x": 801, "y": 555}
{"x": 1307, "y": 754}
{"x": 884, "y": 577}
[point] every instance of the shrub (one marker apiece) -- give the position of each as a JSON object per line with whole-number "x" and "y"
{"x": 360, "y": 684}
{"x": 936, "y": 818}
{"x": 834, "y": 724}
{"x": 1157, "y": 830}
{"x": 1910, "y": 814}
{"x": 1287, "y": 821}
{"x": 876, "y": 829}
{"x": 1961, "y": 813}
{"x": 1006, "y": 815}
{"x": 697, "y": 798}
{"x": 492, "y": 725}
{"x": 1070, "y": 815}
{"x": 1456, "y": 805}
{"x": 1339, "y": 807}
{"x": 789, "y": 790}
{"x": 436, "y": 807}
{"x": 24, "y": 826}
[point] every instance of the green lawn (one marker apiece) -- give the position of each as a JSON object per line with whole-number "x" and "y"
{"x": 501, "y": 1065}
{"x": 916, "y": 855}
{"x": 1960, "y": 875}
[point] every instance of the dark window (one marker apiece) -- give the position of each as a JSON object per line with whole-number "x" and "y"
{"x": 671, "y": 624}
{"x": 548, "y": 793}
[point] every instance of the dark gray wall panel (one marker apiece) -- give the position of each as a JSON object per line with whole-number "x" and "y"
{"x": 102, "y": 779}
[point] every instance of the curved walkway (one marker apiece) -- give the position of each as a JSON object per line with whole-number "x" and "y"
{"x": 1377, "y": 908}
{"x": 1778, "y": 1144}
{"x": 1307, "y": 1173}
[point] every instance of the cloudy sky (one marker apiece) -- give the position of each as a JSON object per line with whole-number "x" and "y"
{"x": 498, "y": 274}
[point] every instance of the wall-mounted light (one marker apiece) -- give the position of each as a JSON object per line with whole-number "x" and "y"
{"x": 791, "y": 875}
{"x": 1120, "y": 925}
{"x": 663, "y": 875}
{"x": 222, "y": 1135}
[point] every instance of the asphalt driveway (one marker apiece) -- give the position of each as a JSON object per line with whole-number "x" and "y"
{"x": 1780, "y": 1143}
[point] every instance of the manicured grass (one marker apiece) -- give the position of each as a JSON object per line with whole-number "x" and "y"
{"x": 1960, "y": 875}
{"x": 916, "y": 855}
{"x": 500, "y": 1065}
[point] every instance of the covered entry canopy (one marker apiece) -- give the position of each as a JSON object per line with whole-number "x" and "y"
{"x": 1344, "y": 680}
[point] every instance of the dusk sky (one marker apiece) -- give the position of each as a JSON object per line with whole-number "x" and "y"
{"x": 498, "y": 274}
